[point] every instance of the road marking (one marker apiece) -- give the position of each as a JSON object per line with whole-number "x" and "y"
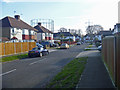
{"x": 37, "y": 61}
{"x": 52, "y": 50}
{"x": 7, "y": 72}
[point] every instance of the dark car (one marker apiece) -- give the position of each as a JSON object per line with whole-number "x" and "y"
{"x": 38, "y": 51}
{"x": 78, "y": 43}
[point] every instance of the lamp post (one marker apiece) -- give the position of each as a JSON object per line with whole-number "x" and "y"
{"x": 69, "y": 37}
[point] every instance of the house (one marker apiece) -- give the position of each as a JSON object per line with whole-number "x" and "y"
{"x": 43, "y": 34}
{"x": 63, "y": 35}
{"x": 77, "y": 37}
{"x": 103, "y": 34}
{"x": 116, "y": 28}
{"x": 15, "y": 28}
{"x": 89, "y": 37}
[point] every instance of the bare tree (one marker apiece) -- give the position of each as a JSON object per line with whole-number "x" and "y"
{"x": 90, "y": 29}
{"x": 62, "y": 29}
{"x": 94, "y": 29}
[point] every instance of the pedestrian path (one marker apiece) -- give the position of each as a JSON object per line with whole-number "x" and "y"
{"x": 95, "y": 74}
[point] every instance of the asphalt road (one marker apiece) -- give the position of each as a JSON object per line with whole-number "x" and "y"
{"x": 37, "y": 72}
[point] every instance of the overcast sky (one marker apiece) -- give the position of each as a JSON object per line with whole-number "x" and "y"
{"x": 71, "y": 14}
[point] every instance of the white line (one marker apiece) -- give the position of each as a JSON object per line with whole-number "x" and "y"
{"x": 37, "y": 61}
{"x": 7, "y": 72}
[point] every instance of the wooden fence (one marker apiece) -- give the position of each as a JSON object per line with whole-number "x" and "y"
{"x": 17, "y": 47}
{"x": 111, "y": 56}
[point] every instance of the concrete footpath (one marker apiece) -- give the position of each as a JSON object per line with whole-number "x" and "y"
{"x": 95, "y": 74}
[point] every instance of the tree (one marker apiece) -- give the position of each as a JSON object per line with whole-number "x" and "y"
{"x": 90, "y": 29}
{"x": 62, "y": 29}
{"x": 94, "y": 29}
{"x": 98, "y": 28}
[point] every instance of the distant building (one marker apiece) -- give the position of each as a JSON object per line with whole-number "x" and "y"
{"x": 103, "y": 34}
{"x": 89, "y": 38}
{"x": 15, "y": 28}
{"x": 43, "y": 34}
{"x": 66, "y": 35}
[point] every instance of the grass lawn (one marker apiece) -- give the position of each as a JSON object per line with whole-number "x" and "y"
{"x": 14, "y": 57}
{"x": 70, "y": 74}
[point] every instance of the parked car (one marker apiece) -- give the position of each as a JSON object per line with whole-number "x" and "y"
{"x": 64, "y": 46}
{"x": 78, "y": 43}
{"x": 38, "y": 51}
{"x": 56, "y": 44}
{"x": 39, "y": 45}
{"x": 100, "y": 47}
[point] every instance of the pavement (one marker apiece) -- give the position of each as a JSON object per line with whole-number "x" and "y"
{"x": 95, "y": 76}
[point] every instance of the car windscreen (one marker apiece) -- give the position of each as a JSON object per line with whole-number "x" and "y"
{"x": 63, "y": 45}
{"x": 35, "y": 48}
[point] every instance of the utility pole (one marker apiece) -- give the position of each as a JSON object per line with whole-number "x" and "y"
{"x": 89, "y": 23}
{"x": 69, "y": 37}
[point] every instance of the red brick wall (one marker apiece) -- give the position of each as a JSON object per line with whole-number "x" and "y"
{"x": 25, "y": 37}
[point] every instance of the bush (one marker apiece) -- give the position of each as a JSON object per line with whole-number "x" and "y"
{"x": 97, "y": 44}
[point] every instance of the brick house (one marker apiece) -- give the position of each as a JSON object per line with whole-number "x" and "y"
{"x": 15, "y": 28}
{"x": 43, "y": 34}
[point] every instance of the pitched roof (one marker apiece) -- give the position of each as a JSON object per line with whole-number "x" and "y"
{"x": 104, "y": 33}
{"x": 13, "y": 22}
{"x": 42, "y": 29}
{"x": 64, "y": 33}
{"x": 4, "y": 38}
{"x": 89, "y": 35}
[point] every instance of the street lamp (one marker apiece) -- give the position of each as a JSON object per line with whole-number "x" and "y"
{"x": 69, "y": 37}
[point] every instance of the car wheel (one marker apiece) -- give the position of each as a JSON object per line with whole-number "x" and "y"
{"x": 29, "y": 56}
{"x": 41, "y": 54}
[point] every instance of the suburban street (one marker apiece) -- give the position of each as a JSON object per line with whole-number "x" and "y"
{"x": 37, "y": 72}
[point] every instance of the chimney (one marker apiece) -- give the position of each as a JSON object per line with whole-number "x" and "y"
{"x": 17, "y": 17}
{"x": 109, "y": 29}
{"x": 39, "y": 23}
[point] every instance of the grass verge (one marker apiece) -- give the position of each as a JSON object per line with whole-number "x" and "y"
{"x": 14, "y": 57}
{"x": 70, "y": 74}
{"x": 87, "y": 49}
{"x": 89, "y": 46}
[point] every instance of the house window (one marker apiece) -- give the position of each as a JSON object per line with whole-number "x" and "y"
{"x": 23, "y": 31}
{"x": 33, "y": 33}
{"x": 12, "y": 30}
{"x": 30, "y": 32}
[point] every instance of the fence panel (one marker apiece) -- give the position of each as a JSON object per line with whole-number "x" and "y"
{"x": 118, "y": 59}
{"x": 18, "y": 47}
{"x": 31, "y": 45}
{"x": 24, "y": 46}
{"x": 9, "y": 48}
{"x": 1, "y": 48}
{"x": 108, "y": 54}
{"x": 111, "y": 56}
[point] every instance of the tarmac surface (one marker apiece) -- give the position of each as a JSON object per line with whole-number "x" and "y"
{"x": 95, "y": 74}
